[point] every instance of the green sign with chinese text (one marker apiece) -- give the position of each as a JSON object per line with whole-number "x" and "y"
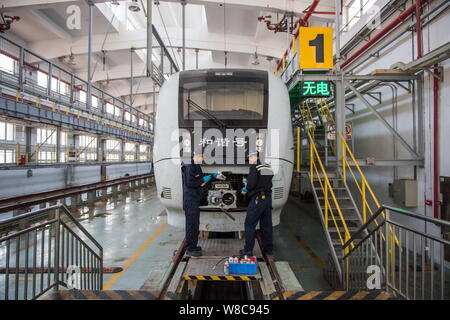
{"x": 313, "y": 89}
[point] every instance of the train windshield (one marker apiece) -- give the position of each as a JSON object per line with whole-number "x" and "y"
{"x": 220, "y": 99}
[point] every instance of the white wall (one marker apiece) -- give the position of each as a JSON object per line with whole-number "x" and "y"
{"x": 372, "y": 139}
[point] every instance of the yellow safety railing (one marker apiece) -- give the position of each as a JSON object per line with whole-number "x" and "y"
{"x": 307, "y": 117}
{"x": 366, "y": 192}
{"x": 299, "y": 145}
{"x": 325, "y": 113}
{"x": 317, "y": 168}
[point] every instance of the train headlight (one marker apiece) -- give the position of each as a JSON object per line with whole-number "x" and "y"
{"x": 259, "y": 142}
{"x": 187, "y": 143}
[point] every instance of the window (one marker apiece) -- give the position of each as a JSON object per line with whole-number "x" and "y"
{"x": 130, "y": 147}
{"x": 55, "y": 84}
{"x": 112, "y": 145}
{"x": 109, "y": 108}
{"x": 143, "y": 148}
{"x": 7, "y": 131}
{"x": 127, "y": 116}
{"x": 88, "y": 156}
{"x": 83, "y": 96}
{"x": 87, "y": 141}
{"x": 224, "y": 98}
{"x": 62, "y": 157}
{"x": 46, "y": 136}
{"x": 94, "y": 102}
{"x": 63, "y": 138}
{"x": 354, "y": 10}
{"x": 47, "y": 156}
{"x": 7, "y": 156}
{"x": 42, "y": 79}
{"x": 113, "y": 150}
{"x": 143, "y": 152}
{"x": 7, "y": 64}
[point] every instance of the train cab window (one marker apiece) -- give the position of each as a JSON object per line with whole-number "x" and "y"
{"x": 224, "y": 100}
{"x": 234, "y": 98}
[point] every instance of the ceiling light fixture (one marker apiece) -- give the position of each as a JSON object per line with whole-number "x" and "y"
{"x": 255, "y": 60}
{"x": 71, "y": 61}
{"x": 134, "y": 6}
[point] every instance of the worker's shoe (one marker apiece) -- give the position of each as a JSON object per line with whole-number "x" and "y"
{"x": 194, "y": 253}
{"x": 243, "y": 252}
{"x": 197, "y": 248}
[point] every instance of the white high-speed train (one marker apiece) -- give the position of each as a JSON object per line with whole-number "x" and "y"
{"x": 227, "y": 113}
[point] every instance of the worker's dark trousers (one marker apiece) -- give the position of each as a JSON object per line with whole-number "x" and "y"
{"x": 261, "y": 212}
{"x": 192, "y": 225}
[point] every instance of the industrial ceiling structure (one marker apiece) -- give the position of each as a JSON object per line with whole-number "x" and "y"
{"x": 217, "y": 34}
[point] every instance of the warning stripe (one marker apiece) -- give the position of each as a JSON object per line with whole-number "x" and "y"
{"x": 232, "y": 278}
{"x": 338, "y": 295}
{"x": 101, "y": 295}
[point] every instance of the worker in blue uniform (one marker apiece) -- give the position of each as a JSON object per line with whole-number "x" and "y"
{"x": 193, "y": 182}
{"x": 258, "y": 190}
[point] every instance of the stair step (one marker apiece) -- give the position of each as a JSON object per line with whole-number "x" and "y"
{"x": 334, "y": 189}
{"x": 342, "y": 208}
{"x": 350, "y": 229}
{"x": 337, "y": 198}
{"x": 346, "y": 217}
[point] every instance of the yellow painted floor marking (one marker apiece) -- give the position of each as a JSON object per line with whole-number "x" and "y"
{"x": 309, "y": 295}
{"x": 201, "y": 277}
{"x": 215, "y": 278}
{"x": 359, "y": 296}
{"x": 135, "y": 255}
{"x": 229, "y": 277}
{"x": 313, "y": 255}
{"x": 382, "y": 296}
{"x": 335, "y": 295}
{"x": 245, "y": 278}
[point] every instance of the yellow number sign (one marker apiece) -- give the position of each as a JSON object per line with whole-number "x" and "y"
{"x": 316, "y": 48}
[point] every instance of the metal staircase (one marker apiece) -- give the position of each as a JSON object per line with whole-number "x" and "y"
{"x": 339, "y": 213}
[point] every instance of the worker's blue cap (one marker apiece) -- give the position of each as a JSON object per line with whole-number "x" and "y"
{"x": 198, "y": 151}
{"x": 253, "y": 153}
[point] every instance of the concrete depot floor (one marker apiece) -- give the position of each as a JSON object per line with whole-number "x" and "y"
{"x": 135, "y": 236}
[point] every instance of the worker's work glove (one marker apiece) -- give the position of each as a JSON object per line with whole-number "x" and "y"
{"x": 219, "y": 176}
{"x": 244, "y": 190}
{"x": 207, "y": 178}
{"x": 244, "y": 181}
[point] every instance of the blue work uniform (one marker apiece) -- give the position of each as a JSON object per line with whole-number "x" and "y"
{"x": 259, "y": 209}
{"x": 192, "y": 197}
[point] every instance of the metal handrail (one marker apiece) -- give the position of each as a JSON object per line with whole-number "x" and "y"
{"x": 126, "y": 106}
{"x": 60, "y": 249}
{"x": 363, "y": 186}
{"x": 325, "y": 189}
{"x": 397, "y": 262}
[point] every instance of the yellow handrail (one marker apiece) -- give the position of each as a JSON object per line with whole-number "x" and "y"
{"x": 362, "y": 186}
{"x": 325, "y": 185}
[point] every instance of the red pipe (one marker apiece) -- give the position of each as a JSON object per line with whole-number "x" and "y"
{"x": 312, "y": 7}
{"x": 436, "y": 144}
{"x": 319, "y": 12}
{"x": 383, "y": 32}
{"x": 419, "y": 28}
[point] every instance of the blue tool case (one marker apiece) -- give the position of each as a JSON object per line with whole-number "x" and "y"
{"x": 242, "y": 268}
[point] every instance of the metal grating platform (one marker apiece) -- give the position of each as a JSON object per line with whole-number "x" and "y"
{"x": 203, "y": 269}
{"x": 224, "y": 247}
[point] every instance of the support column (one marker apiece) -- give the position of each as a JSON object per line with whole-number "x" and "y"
{"x": 89, "y": 88}
{"x": 183, "y": 17}
{"x": 131, "y": 76}
{"x": 149, "y": 39}
{"x": 58, "y": 144}
{"x": 340, "y": 87}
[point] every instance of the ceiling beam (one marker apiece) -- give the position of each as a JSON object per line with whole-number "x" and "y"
{"x": 49, "y": 23}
